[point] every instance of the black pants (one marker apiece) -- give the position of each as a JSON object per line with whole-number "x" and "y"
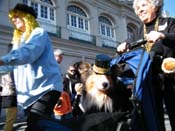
{"x": 164, "y": 92}
{"x": 169, "y": 100}
{"x": 0, "y": 104}
{"x": 42, "y": 109}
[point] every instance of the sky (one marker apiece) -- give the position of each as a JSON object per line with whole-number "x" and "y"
{"x": 169, "y": 5}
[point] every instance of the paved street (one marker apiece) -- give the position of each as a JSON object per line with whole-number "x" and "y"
{"x": 21, "y": 125}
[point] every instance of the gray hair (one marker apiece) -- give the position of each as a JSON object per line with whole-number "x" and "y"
{"x": 58, "y": 52}
{"x": 156, "y": 3}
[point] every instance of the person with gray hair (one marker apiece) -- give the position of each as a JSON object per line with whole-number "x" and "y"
{"x": 58, "y": 53}
{"x": 157, "y": 3}
{"x": 159, "y": 33}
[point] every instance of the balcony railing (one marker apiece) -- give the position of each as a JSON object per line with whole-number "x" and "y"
{"x": 78, "y": 36}
{"x": 82, "y": 36}
{"x": 53, "y": 29}
{"x": 109, "y": 43}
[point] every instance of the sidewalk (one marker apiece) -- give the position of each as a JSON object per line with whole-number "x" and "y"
{"x": 21, "y": 125}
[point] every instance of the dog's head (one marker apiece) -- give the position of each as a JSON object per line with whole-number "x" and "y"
{"x": 100, "y": 79}
{"x": 98, "y": 88}
{"x": 99, "y": 83}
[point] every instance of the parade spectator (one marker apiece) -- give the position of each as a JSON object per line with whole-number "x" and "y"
{"x": 160, "y": 35}
{"x": 9, "y": 100}
{"x": 72, "y": 77}
{"x": 58, "y": 53}
{"x": 36, "y": 72}
{"x": 0, "y": 98}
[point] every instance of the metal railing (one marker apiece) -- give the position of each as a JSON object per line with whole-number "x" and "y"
{"x": 78, "y": 36}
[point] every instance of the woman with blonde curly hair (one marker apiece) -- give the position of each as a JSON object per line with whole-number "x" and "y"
{"x": 36, "y": 72}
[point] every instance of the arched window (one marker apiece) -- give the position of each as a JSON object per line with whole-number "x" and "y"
{"x": 45, "y": 9}
{"x": 130, "y": 33}
{"x": 77, "y": 19}
{"x": 106, "y": 28}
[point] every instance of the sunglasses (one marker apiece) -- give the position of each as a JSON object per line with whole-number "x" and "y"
{"x": 72, "y": 70}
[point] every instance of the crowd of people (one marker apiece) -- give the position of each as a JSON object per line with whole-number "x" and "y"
{"x": 33, "y": 67}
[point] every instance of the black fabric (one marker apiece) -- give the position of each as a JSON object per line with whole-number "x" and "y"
{"x": 9, "y": 101}
{"x": 102, "y": 61}
{"x": 73, "y": 79}
{"x": 165, "y": 47}
{"x": 45, "y": 105}
{"x": 41, "y": 109}
{"x": 101, "y": 121}
{"x": 26, "y": 9}
{"x": 0, "y": 104}
{"x": 163, "y": 86}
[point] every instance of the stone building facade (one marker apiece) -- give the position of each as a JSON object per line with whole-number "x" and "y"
{"x": 81, "y": 28}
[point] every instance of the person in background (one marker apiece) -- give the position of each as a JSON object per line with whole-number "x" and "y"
{"x": 9, "y": 98}
{"x": 36, "y": 72}
{"x": 72, "y": 77}
{"x": 160, "y": 35}
{"x": 72, "y": 80}
{"x": 0, "y": 98}
{"x": 58, "y": 53}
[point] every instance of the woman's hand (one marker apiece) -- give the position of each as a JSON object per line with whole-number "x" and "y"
{"x": 154, "y": 36}
{"x": 123, "y": 47}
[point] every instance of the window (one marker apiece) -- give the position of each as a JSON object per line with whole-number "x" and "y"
{"x": 44, "y": 12}
{"x": 47, "y": 1}
{"x": 35, "y": 6}
{"x": 130, "y": 33}
{"x": 45, "y": 9}
{"x": 77, "y": 19}
{"x": 25, "y": 1}
{"x": 106, "y": 28}
{"x": 52, "y": 14}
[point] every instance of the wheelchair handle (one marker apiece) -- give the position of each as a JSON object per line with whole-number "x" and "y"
{"x": 137, "y": 43}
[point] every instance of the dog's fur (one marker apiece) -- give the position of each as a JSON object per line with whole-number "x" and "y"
{"x": 102, "y": 93}
{"x": 96, "y": 87}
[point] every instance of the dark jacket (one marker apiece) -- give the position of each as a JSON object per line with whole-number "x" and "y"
{"x": 165, "y": 47}
{"x": 69, "y": 85}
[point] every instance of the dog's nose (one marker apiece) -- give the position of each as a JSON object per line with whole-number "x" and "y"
{"x": 105, "y": 84}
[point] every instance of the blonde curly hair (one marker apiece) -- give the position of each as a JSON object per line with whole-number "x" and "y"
{"x": 30, "y": 23}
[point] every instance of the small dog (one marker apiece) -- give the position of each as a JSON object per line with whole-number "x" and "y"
{"x": 101, "y": 92}
{"x": 97, "y": 87}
